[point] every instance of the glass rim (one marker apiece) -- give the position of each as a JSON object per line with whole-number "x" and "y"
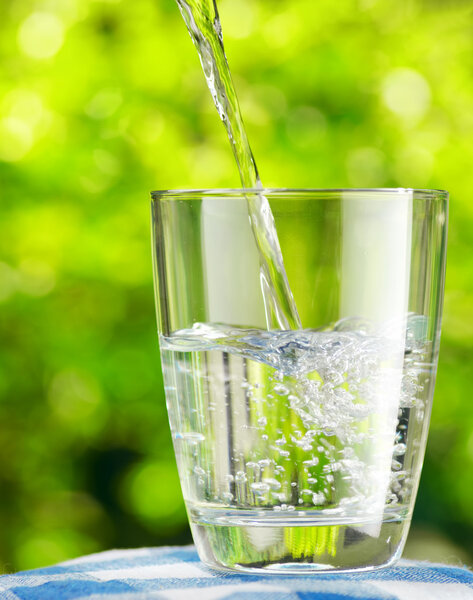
{"x": 182, "y": 193}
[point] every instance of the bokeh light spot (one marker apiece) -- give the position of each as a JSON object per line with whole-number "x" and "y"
{"x": 282, "y": 29}
{"x": 273, "y": 98}
{"x": 50, "y": 550}
{"x": 414, "y": 166}
{"x": 367, "y": 4}
{"x": 366, "y": 167}
{"x": 25, "y": 105}
{"x": 75, "y": 397}
{"x": 237, "y": 18}
{"x": 104, "y": 103}
{"x": 16, "y": 139}
{"x": 41, "y": 35}
{"x": 213, "y": 161}
{"x": 8, "y": 281}
{"x": 106, "y": 161}
{"x": 37, "y": 277}
{"x": 406, "y": 93}
{"x": 40, "y": 548}
{"x": 153, "y": 492}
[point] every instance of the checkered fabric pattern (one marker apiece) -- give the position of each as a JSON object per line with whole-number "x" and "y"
{"x": 175, "y": 573}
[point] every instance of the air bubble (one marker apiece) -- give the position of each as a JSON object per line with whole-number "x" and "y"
{"x": 191, "y": 436}
{"x": 313, "y": 462}
{"x": 274, "y": 484}
{"x": 259, "y": 488}
{"x": 398, "y": 476}
{"x": 281, "y": 390}
{"x": 318, "y": 498}
{"x": 252, "y": 465}
{"x": 399, "y": 449}
{"x": 240, "y": 477}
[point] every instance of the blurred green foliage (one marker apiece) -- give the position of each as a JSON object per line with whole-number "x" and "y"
{"x": 104, "y": 100}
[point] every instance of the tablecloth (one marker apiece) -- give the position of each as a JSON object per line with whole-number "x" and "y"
{"x": 175, "y": 573}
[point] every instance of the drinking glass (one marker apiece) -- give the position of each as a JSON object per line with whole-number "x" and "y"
{"x": 300, "y": 450}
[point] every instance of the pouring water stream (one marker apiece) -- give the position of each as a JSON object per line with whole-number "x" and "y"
{"x": 203, "y": 24}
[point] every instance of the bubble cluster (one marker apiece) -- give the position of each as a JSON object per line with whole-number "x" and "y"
{"x": 306, "y": 418}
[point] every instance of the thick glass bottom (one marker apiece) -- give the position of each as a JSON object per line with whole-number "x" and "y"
{"x": 296, "y": 545}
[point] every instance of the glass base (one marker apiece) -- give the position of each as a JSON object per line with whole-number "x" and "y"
{"x": 297, "y": 545}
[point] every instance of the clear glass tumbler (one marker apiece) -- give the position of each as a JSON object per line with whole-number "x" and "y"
{"x": 300, "y": 450}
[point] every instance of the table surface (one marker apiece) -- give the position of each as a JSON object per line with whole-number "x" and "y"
{"x": 175, "y": 573}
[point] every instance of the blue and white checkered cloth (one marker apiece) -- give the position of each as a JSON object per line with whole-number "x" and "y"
{"x": 175, "y": 573}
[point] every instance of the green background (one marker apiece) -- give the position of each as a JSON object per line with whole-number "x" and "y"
{"x": 102, "y": 101}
